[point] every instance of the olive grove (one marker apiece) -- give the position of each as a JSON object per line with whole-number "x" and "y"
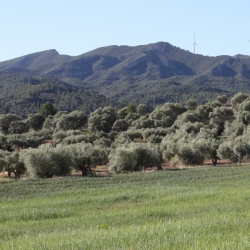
{"x": 57, "y": 143}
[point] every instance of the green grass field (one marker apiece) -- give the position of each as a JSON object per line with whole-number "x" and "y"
{"x": 202, "y": 208}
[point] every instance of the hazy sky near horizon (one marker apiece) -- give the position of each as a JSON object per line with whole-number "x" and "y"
{"x": 77, "y": 26}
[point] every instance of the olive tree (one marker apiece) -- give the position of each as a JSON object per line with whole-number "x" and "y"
{"x": 233, "y": 129}
{"x": 238, "y": 99}
{"x": 143, "y": 122}
{"x": 121, "y": 160}
{"x": 73, "y": 139}
{"x": 192, "y": 153}
{"x": 219, "y": 116}
{"x": 133, "y": 157}
{"x": 203, "y": 111}
{"x": 160, "y": 132}
{"x": 35, "y": 121}
{"x": 131, "y": 117}
{"x": 102, "y": 119}
{"x": 15, "y": 165}
{"x": 212, "y": 142}
{"x": 244, "y": 113}
{"x": 192, "y": 104}
{"x": 11, "y": 163}
{"x": 85, "y": 156}
{"x": 74, "y": 120}
{"x": 31, "y": 139}
{"x": 222, "y": 99}
{"x": 122, "y": 113}
{"x": 3, "y": 162}
{"x": 142, "y": 109}
{"x": 185, "y": 117}
{"x": 236, "y": 150}
{"x": 47, "y": 161}
{"x": 6, "y": 121}
{"x": 145, "y": 156}
{"x": 185, "y": 148}
{"x": 120, "y": 125}
{"x": 132, "y": 134}
{"x": 167, "y": 109}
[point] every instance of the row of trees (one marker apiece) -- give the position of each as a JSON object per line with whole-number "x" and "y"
{"x": 130, "y": 139}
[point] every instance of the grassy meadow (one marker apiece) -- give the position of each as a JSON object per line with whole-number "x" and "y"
{"x": 199, "y": 208}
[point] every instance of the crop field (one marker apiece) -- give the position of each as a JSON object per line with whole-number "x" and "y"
{"x": 198, "y": 208}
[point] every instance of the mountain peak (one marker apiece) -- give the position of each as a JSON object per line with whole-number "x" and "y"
{"x": 159, "y": 60}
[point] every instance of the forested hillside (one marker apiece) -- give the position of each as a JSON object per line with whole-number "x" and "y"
{"x": 23, "y": 94}
{"x": 151, "y": 74}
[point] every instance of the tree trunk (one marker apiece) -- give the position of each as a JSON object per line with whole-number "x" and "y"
{"x": 84, "y": 170}
{"x": 89, "y": 168}
{"x": 48, "y": 175}
{"x": 9, "y": 174}
{"x": 17, "y": 174}
{"x": 159, "y": 167}
{"x": 214, "y": 160}
{"x": 136, "y": 168}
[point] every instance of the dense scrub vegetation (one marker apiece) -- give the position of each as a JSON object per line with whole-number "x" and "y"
{"x": 52, "y": 143}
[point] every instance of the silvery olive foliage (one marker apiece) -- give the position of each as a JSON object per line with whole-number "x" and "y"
{"x": 142, "y": 109}
{"x": 222, "y": 99}
{"x": 189, "y": 116}
{"x": 160, "y": 132}
{"x": 31, "y": 139}
{"x": 6, "y": 123}
{"x": 72, "y": 121}
{"x": 167, "y": 109}
{"x": 35, "y": 121}
{"x": 86, "y": 155}
{"x": 120, "y": 125}
{"x": 122, "y": 113}
{"x": 130, "y": 139}
{"x": 236, "y": 150}
{"x": 133, "y": 157}
{"x": 202, "y": 113}
{"x": 233, "y": 129}
{"x": 121, "y": 160}
{"x": 47, "y": 161}
{"x": 219, "y": 116}
{"x": 131, "y": 117}
{"x": 14, "y": 164}
{"x": 73, "y": 139}
{"x": 143, "y": 122}
{"x": 187, "y": 148}
{"x": 103, "y": 142}
{"x": 132, "y": 134}
{"x": 192, "y": 104}
{"x": 238, "y": 99}
{"x": 102, "y": 119}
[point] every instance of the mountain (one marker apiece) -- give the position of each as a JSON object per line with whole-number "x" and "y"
{"x": 151, "y": 74}
{"x": 152, "y": 62}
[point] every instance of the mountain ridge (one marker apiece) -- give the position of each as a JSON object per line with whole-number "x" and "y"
{"x": 162, "y": 60}
{"x": 150, "y": 74}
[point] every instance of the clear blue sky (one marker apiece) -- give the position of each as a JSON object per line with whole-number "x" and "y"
{"x": 73, "y": 27}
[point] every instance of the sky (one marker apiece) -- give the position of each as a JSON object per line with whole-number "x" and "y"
{"x": 73, "y": 27}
